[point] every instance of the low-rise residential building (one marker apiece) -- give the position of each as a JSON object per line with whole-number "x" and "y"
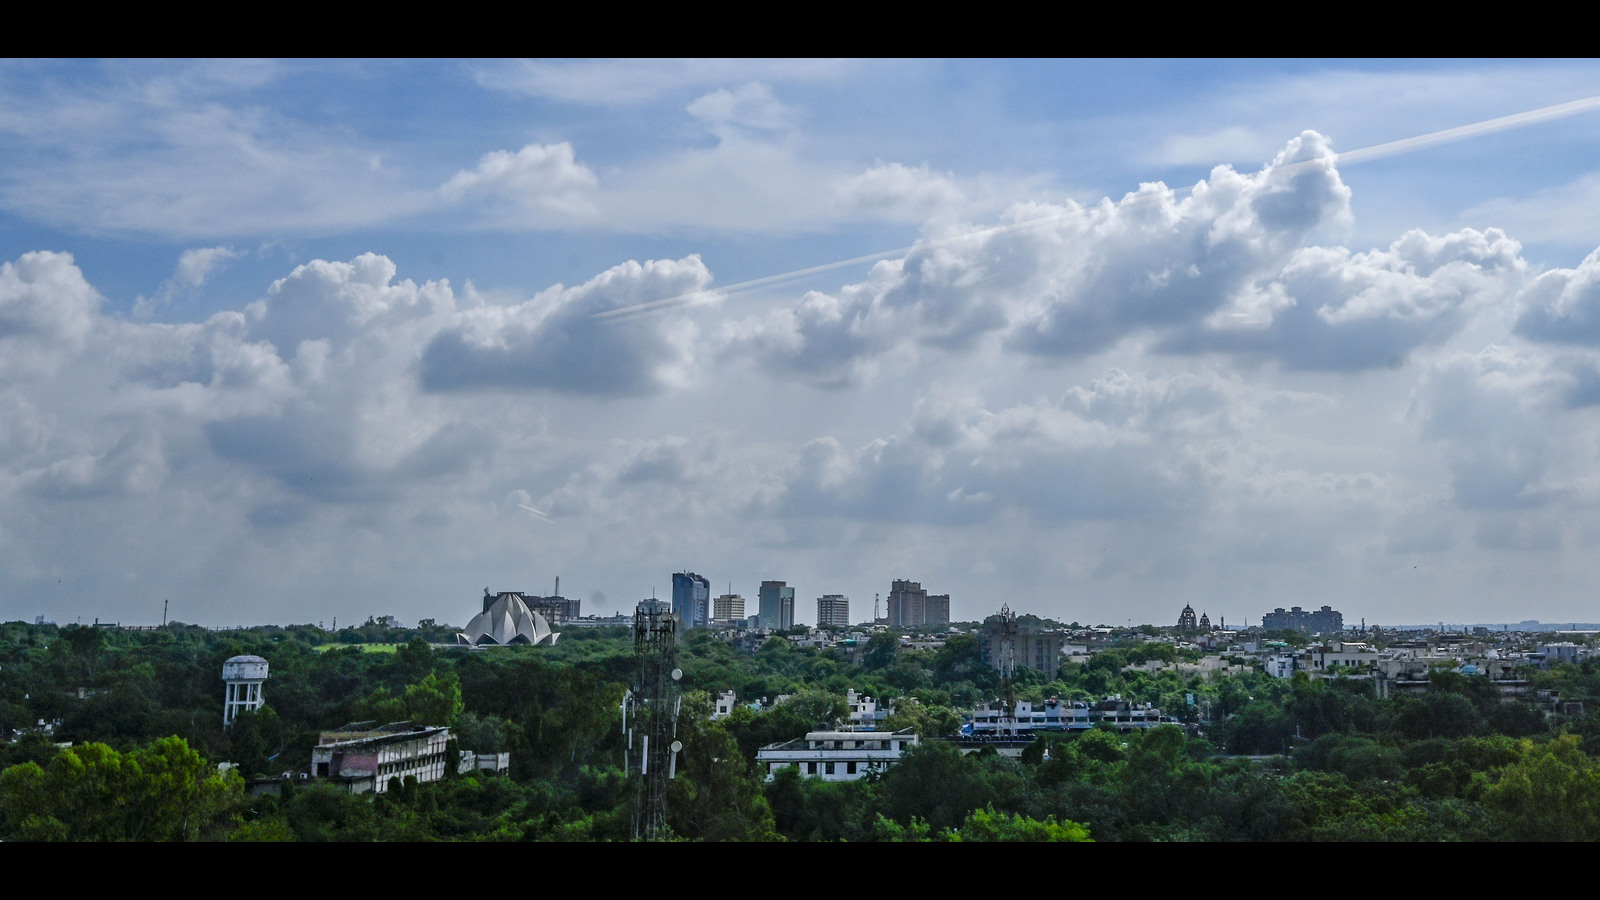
{"x": 1056, "y": 715}
{"x": 866, "y": 712}
{"x": 837, "y": 755}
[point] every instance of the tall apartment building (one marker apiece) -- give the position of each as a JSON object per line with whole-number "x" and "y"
{"x": 1036, "y": 650}
{"x": 910, "y": 606}
{"x": 1326, "y": 620}
{"x": 833, "y": 609}
{"x": 691, "y": 599}
{"x": 776, "y": 605}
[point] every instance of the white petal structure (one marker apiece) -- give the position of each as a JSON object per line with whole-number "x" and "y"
{"x": 507, "y": 621}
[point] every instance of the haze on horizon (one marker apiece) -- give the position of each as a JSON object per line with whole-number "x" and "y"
{"x": 289, "y": 341}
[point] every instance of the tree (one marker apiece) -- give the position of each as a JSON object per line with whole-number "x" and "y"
{"x": 880, "y": 651}
{"x": 1551, "y": 794}
{"x": 989, "y": 826}
{"x": 163, "y": 792}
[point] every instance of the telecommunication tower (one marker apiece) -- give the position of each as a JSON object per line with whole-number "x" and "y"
{"x": 650, "y": 717}
{"x": 1008, "y": 666}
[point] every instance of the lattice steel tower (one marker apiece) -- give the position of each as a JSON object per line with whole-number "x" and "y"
{"x": 1008, "y": 668}
{"x": 650, "y": 717}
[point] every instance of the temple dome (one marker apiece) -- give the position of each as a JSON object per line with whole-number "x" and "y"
{"x": 507, "y": 621}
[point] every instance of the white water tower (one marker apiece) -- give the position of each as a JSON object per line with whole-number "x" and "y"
{"x": 244, "y": 676}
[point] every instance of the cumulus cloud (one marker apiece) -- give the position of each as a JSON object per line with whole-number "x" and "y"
{"x": 1563, "y": 305}
{"x": 1068, "y": 281}
{"x": 542, "y": 178}
{"x": 47, "y": 309}
{"x": 1330, "y": 308}
{"x": 901, "y": 191}
{"x": 554, "y": 342}
{"x": 325, "y": 300}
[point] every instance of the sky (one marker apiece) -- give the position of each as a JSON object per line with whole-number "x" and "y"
{"x": 287, "y": 342}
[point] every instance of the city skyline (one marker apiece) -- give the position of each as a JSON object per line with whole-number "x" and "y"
{"x": 281, "y": 341}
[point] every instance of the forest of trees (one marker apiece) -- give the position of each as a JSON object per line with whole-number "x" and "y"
{"x": 1277, "y": 759}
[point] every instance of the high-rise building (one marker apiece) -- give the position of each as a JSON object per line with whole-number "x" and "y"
{"x": 833, "y": 609}
{"x": 691, "y": 599}
{"x": 776, "y": 605}
{"x": 1020, "y": 647}
{"x": 910, "y": 606}
{"x": 786, "y": 608}
{"x": 727, "y": 608}
{"x": 768, "y": 606}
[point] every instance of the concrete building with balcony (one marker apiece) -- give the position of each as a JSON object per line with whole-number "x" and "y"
{"x": 364, "y": 758}
{"x": 837, "y": 755}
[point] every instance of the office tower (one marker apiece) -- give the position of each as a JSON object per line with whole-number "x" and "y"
{"x": 691, "y": 599}
{"x": 767, "y": 604}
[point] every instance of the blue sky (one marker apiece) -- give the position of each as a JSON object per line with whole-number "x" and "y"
{"x": 284, "y": 341}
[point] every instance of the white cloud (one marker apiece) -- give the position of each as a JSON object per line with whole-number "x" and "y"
{"x": 1563, "y": 305}
{"x": 902, "y": 192}
{"x": 1329, "y": 308}
{"x": 750, "y": 108}
{"x": 1068, "y": 281}
{"x": 539, "y": 177}
{"x": 196, "y": 265}
{"x": 46, "y": 312}
{"x": 635, "y": 81}
{"x": 554, "y": 342}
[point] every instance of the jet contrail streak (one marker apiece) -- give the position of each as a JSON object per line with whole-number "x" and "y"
{"x": 537, "y": 514}
{"x": 1348, "y": 158}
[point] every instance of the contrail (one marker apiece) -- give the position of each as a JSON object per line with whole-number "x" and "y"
{"x": 1348, "y": 158}
{"x": 543, "y": 517}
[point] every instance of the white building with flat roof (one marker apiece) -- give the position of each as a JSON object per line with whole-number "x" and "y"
{"x": 838, "y": 755}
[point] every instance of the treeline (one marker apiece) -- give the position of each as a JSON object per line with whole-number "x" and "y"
{"x": 1280, "y": 760}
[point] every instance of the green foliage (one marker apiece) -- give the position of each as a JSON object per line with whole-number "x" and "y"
{"x": 1551, "y": 794}
{"x": 163, "y": 792}
{"x": 986, "y": 825}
